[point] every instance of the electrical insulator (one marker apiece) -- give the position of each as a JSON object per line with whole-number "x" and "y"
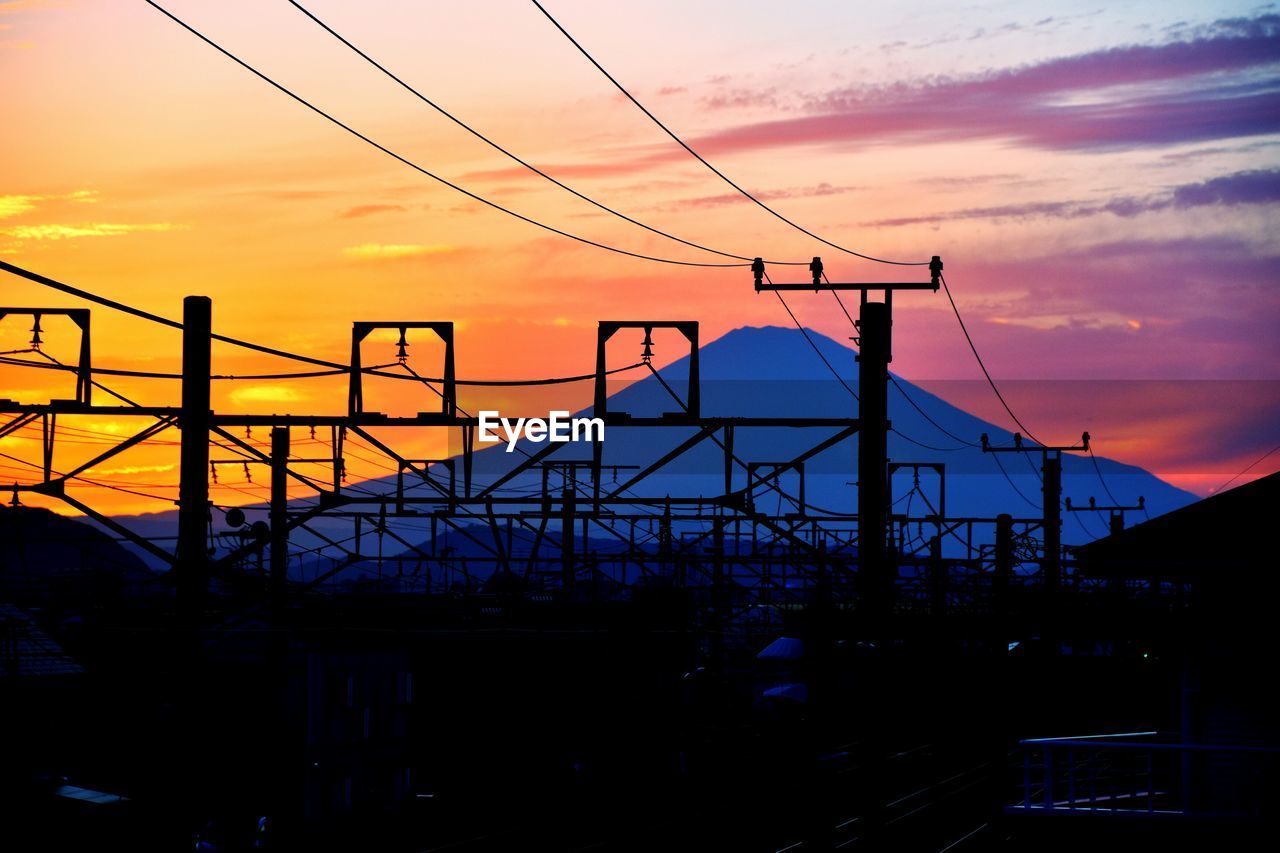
{"x": 757, "y": 269}
{"x": 36, "y": 341}
{"x": 213, "y": 471}
{"x": 402, "y": 347}
{"x": 647, "y": 354}
{"x": 15, "y": 501}
{"x": 816, "y": 268}
{"x": 248, "y": 475}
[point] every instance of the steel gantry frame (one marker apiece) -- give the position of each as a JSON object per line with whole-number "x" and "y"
{"x": 698, "y": 540}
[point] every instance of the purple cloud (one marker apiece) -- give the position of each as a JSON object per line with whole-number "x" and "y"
{"x": 702, "y": 202}
{"x": 1027, "y": 104}
{"x": 1210, "y": 313}
{"x": 1256, "y": 186}
{"x": 743, "y": 99}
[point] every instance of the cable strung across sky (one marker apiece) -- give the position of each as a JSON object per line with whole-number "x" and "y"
{"x": 417, "y": 168}
{"x": 280, "y": 87}
{"x": 769, "y": 209}
{"x": 703, "y": 160}
{"x": 507, "y": 153}
{"x": 335, "y": 368}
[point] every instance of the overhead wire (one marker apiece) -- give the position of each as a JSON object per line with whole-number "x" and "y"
{"x": 901, "y": 390}
{"x": 996, "y": 458}
{"x": 1098, "y": 470}
{"x": 509, "y": 154}
{"x": 669, "y": 132}
{"x": 973, "y": 347}
{"x": 1247, "y": 469}
{"x": 337, "y": 368}
{"x": 415, "y": 166}
{"x": 814, "y": 346}
{"x": 373, "y": 370}
{"x": 91, "y": 482}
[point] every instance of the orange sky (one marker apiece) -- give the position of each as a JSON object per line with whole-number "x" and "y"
{"x": 1096, "y": 231}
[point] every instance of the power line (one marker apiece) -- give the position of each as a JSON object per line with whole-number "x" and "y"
{"x": 703, "y": 160}
{"x": 335, "y": 367}
{"x": 911, "y": 440}
{"x": 996, "y": 458}
{"x": 1247, "y": 469}
{"x": 98, "y": 483}
{"x": 1088, "y": 531}
{"x": 156, "y": 318}
{"x": 903, "y": 391}
{"x": 840, "y": 379}
{"x": 1098, "y": 470}
{"x": 1034, "y": 470}
{"x": 982, "y": 365}
{"x": 926, "y": 416}
{"x": 375, "y": 370}
{"x": 507, "y": 153}
{"x": 805, "y": 332}
{"x": 411, "y": 164}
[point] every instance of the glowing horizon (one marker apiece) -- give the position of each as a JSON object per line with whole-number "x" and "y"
{"x": 1103, "y": 188}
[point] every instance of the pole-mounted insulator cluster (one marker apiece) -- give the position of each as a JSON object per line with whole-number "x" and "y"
{"x": 402, "y": 347}
{"x": 646, "y": 355}
{"x": 815, "y": 267}
{"x": 757, "y": 269}
{"x": 935, "y": 269}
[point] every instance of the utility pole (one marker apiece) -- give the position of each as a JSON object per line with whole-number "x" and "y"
{"x": 1004, "y": 557}
{"x": 1002, "y": 576}
{"x": 193, "y": 488}
{"x": 279, "y": 513}
{"x": 1051, "y": 509}
{"x": 1115, "y": 526}
{"x": 873, "y": 450}
{"x": 937, "y": 579}
{"x": 875, "y": 352}
{"x": 568, "y": 566}
{"x": 1115, "y": 518}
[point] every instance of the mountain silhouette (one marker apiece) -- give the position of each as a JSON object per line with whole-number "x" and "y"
{"x": 50, "y": 558}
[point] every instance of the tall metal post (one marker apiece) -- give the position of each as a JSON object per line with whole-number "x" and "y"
{"x": 1051, "y": 567}
{"x": 1004, "y": 552}
{"x": 873, "y": 430}
{"x": 568, "y": 565}
{"x": 875, "y": 574}
{"x": 1116, "y": 523}
{"x": 279, "y": 513}
{"x": 193, "y": 488}
{"x": 1002, "y": 576}
{"x": 937, "y": 578}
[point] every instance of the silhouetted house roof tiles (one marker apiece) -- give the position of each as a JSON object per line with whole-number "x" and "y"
{"x": 28, "y": 652}
{"x": 1233, "y": 532}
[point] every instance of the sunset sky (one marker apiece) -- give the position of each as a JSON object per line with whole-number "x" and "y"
{"x": 1102, "y": 182}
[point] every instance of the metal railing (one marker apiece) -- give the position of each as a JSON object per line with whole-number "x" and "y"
{"x": 1141, "y": 773}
